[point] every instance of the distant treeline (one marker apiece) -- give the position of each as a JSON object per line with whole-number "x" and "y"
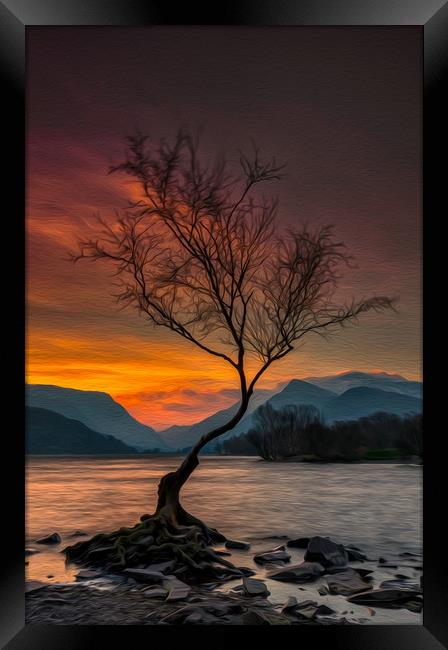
{"x": 300, "y": 432}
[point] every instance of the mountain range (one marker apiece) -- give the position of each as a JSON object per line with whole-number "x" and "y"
{"x": 95, "y": 410}
{"x": 349, "y": 395}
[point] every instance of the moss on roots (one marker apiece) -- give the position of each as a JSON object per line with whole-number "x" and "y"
{"x": 155, "y": 539}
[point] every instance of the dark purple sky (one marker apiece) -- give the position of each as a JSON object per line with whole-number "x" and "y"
{"x": 340, "y": 106}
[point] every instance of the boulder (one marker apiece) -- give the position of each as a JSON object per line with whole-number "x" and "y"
{"x": 235, "y": 544}
{"x": 346, "y": 582}
{"x": 300, "y": 542}
{"x": 304, "y": 572}
{"x": 326, "y": 552}
{"x": 54, "y": 538}
{"x": 252, "y": 587}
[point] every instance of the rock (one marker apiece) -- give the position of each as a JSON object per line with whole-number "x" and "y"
{"x": 323, "y": 590}
{"x": 290, "y": 605}
{"x": 253, "y": 587}
{"x": 324, "y": 610}
{"x": 327, "y": 552}
{"x": 34, "y": 585}
{"x": 54, "y": 538}
{"x": 260, "y": 617}
{"x": 301, "y": 542}
{"x": 194, "y": 618}
{"x": 79, "y": 533}
{"x": 31, "y": 551}
{"x": 310, "y": 609}
{"x": 400, "y": 584}
{"x": 346, "y": 582}
{"x": 354, "y": 555}
{"x": 414, "y": 606}
{"x": 154, "y": 591}
{"x": 177, "y": 590}
{"x": 393, "y": 598}
{"x": 307, "y": 609}
{"x": 235, "y": 544}
{"x": 143, "y": 575}
{"x": 382, "y": 560}
{"x": 272, "y": 556}
{"x": 87, "y": 574}
{"x": 304, "y": 572}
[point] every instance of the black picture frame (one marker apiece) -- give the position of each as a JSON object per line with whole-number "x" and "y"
{"x": 432, "y": 16}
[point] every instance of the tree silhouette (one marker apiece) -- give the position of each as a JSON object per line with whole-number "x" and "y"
{"x": 200, "y": 254}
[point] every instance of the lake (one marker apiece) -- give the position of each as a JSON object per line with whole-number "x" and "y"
{"x": 377, "y": 507}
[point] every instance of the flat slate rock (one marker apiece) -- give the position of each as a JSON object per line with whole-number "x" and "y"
{"x": 304, "y": 572}
{"x": 155, "y": 591}
{"x": 235, "y": 544}
{"x": 327, "y": 552}
{"x": 177, "y": 590}
{"x": 272, "y": 556}
{"x": 395, "y": 598}
{"x": 290, "y": 605}
{"x": 346, "y": 582}
{"x": 87, "y": 574}
{"x": 54, "y": 538}
{"x": 253, "y": 587}
{"x": 400, "y": 584}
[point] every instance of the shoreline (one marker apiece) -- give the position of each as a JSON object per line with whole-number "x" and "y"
{"x": 98, "y": 597}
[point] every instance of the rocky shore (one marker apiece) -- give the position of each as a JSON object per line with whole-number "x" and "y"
{"x": 302, "y": 581}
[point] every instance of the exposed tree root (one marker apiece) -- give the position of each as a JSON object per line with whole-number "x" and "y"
{"x": 155, "y": 540}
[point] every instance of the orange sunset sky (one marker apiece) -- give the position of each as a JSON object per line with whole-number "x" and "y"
{"x": 341, "y": 107}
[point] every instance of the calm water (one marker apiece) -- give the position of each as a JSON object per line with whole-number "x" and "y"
{"x": 374, "y": 506}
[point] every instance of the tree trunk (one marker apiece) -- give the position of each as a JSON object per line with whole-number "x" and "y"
{"x": 170, "y": 485}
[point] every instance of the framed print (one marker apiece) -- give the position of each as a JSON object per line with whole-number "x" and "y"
{"x": 220, "y": 224}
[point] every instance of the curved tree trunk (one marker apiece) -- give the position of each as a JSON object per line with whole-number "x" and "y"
{"x": 170, "y": 485}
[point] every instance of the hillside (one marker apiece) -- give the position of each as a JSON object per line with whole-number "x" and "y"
{"x": 97, "y": 411}
{"x": 51, "y": 433}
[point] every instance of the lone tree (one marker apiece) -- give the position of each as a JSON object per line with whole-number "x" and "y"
{"x": 200, "y": 255}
